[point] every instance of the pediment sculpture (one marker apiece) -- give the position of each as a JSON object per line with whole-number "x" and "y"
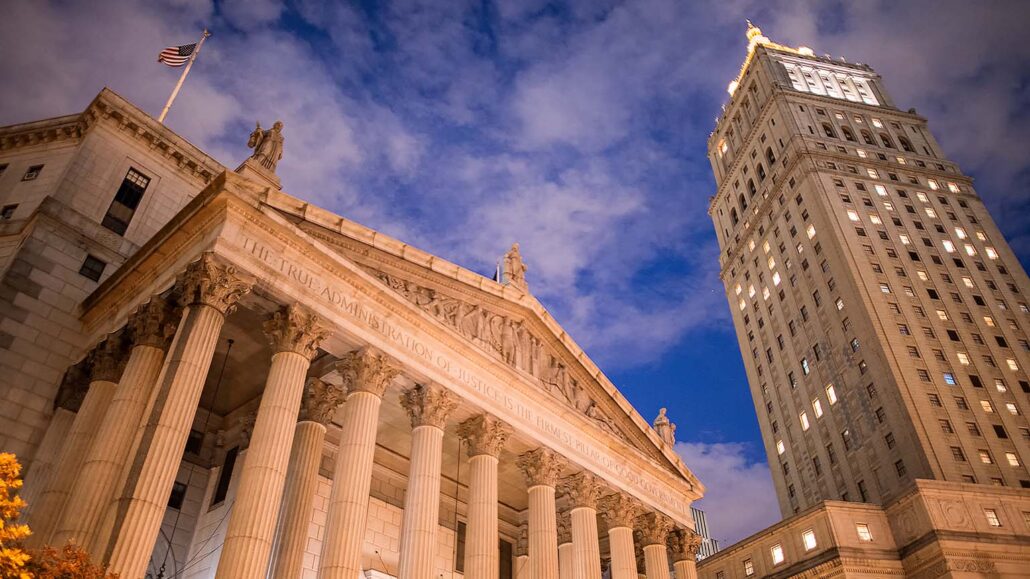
{"x": 508, "y": 338}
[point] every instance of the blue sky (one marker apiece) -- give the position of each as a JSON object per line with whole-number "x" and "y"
{"x": 577, "y": 129}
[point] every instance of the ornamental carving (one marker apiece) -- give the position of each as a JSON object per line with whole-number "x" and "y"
{"x": 247, "y": 422}
{"x": 522, "y": 543}
{"x": 583, "y": 490}
{"x": 564, "y": 528}
{"x": 108, "y": 359}
{"x": 154, "y": 323}
{"x": 210, "y": 283}
{"x": 320, "y": 401}
{"x": 541, "y": 466}
{"x": 484, "y": 434}
{"x": 428, "y": 404}
{"x": 294, "y": 328}
{"x": 653, "y": 528}
{"x": 367, "y": 370}
{"x": 683, "y": 545}
{"x": 507, "y": 338}
{"x": 619, "y": 510}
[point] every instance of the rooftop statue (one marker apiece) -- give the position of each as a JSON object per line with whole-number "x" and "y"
{"x": 666, "y": 429}
{"x": 515, "y": 268}
{"x": 267, "y": 145}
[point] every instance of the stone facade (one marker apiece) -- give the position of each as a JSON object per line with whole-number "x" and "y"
{"x": 268, "y": 342}
{"x": 882, "y": 317}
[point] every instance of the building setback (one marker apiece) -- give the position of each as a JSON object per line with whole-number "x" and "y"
{"x": 883, "y": 323}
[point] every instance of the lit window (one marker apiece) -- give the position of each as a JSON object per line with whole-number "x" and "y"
{"x": 723, "y": 146}
{"x": 943, "y": 315}
{"x": 968, "y": 282}
{"x": 751, "y": 245}
{"x": 970, "y": 250}
{"x": 880, "y": 190}
{"x": 780, "y": 447}
{"x": 949, "y": 379}
{"x": 888, "y": 206}
{"x": 904, "y": 239}
{"x": 933, "y": 184}
{"x": 991, "y": 253}
{"x": 804, "y": 366}
{"x": 1012, "y": 364}
{"x": 953, "y": 187}
{"x": 990, "y": 514}
{"x": 765, "y": 293}
{"x": 811, "y": 231}
{"x": 840, "y": 304}
{"x": 922, "y": 275}
{"x": 804, "y": 420}
{"x": 981, "y": 236}
{"x": 1012, "y": 408}
{"x": 963, "y": 358}
{"x": 817, "y": 406}
{"x": 922, "y": 197}
{"x": 863, "y": 532}
{"x": 931, "y": 213}
{"x": 875, "y": 219}
{"x": 948, "y": 246}
{"x": 742, "y": 304}
{"x": 986, "y": 406}
{"x": 960, "y": 233}
{"x": 852, "y": 215}
{"x": 999, "y": 384}
{"x": 808, "y": 538}
{"x": 884, "y": 288}
{"x": 737, "y": 289}
{"x": 989, "y": 321}
{"x": 777, "y": 554}
{"x": 1012, "y": 458}
{"x": 749, "y": 568}
{"x": 750, "y": 291}
{"x": 872, "y": 173}
{"x": 831, "y": 394}
{"x": 878, "y": 123}
{"x": 776, "y": 278}
{"x": 901, "y": 161}
{"x": 985, "y": 457}
{"x": 861, "y": 153}
{"x": 771, "y": 262}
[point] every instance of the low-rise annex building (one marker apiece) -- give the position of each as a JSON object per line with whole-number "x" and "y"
{"x": 258, "y": 387}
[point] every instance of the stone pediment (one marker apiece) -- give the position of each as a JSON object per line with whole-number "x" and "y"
{"x": 502, "y": 321}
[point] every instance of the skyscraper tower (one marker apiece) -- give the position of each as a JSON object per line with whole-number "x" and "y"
{"x": 881, "y": 315}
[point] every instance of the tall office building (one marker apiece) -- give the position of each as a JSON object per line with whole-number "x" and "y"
{"x": 882, "y": 317}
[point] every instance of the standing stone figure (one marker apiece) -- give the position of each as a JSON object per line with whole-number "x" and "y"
{"x": 267, "y": 145}
{"x": 666, "y": 430}
{"x": 514, "y": 268}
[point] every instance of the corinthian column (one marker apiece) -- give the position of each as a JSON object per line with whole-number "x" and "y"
{"x": 485, "y": 436}
{"x": 366, "y": 374}
{"x": 150, "y": 330}
{"x": 428, "y": 406}
{"x": 683, "y": 543}
{"x": 619, "y": 513}
{"x": 584, "y": 490}
{"x": 107, "y": 362}
{"x": 317, "y": 410}
{"x": 209, "y": 292}
{"x": 542, "y": 467}
{"x": 566, "y": 550}
{"x": 295, "y": 334}
{"x": 654, "y": 530}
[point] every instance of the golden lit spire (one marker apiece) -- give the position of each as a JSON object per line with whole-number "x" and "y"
{"x": 752, "y": 31}
{"x": 756, "y": 38}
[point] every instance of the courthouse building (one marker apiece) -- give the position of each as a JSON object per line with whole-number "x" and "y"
{"x": 208, "y": 377}
{"x": 884, "y": 326}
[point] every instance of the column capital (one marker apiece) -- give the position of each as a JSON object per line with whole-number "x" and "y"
{"x": 654, "y": 528}
{"x": 542, "y": 466}
{"x": 428, "y": 404}
{"x": 108, "y": 359}
{"x": 211, "y": 283}
{"x": 320, "y": 401}
{"x": 684, "y": 543}
{"x": 154, "y": 323}
{"x": 485, "y": 434}
{"x": 74, "y": 385}
{"x": 583, "y": 489}
{"x": 295, "y": 328}
{"x": 564, "y": 528}
{"x": 367, "y": 370}
{"x": 619, "y": 510}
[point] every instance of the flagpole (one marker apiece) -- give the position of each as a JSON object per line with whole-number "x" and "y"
{"x": 182, "y": 78}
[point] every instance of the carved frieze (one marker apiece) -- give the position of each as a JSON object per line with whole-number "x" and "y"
{"x": 509, "y": 339}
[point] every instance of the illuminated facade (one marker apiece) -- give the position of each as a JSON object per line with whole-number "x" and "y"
{"x": 881, "y": 315}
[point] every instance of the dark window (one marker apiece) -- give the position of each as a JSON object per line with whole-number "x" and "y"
{"x": 92, "y": 268}
{"x": 194, "y": 442}
{"x": 8, "y": 211}
{"x": 459, "y": 549}
{"x": 32, "y": 173}
{"x": 506, "y": 560}
{"x": 225, "y": 476}
{"x": 126, "y": 200}
{"x": 999, "y": 431}
{"x": 178, "y": 495}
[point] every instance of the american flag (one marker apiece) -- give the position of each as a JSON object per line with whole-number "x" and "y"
{"x": 176, "y": 55}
